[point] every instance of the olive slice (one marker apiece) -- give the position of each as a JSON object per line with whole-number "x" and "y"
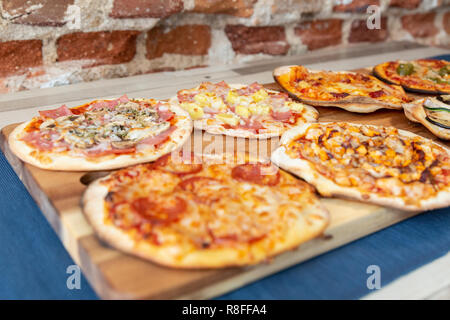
{"x": 405, "y": 69}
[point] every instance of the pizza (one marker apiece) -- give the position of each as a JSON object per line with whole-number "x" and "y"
{"x": 423, "y": 76}
{"x": 433, "y": 113}
{"x": 102, "y": 134}
{"x": 243, "y": 111}
{"x": 374, "y": 164}
{"x": 190, "y": 211}
{"x": 352, "y": 91}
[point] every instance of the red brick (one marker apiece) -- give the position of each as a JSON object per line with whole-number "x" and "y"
{"x": 405, "y": 4}
{"x": 420, "y": 25}
{"x": 50, "y": 12}
{"x": 446, "y": 21}
{"x": 145, "y": 8}
{"x": 360, "y": 33}
{"x": 108, "y": 47}
{"x": 355, "y": 6}
{"x": 187, "y": 40}
{"x": 252, "y": 40}
{"x": 238, "y": 8}
{"x": 320, "y": 33}
{"x": 17, "y": 56}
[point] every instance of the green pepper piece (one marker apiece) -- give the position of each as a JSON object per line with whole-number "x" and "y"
{"x": 444, "y": 71}
{"x": 405, "y": 69}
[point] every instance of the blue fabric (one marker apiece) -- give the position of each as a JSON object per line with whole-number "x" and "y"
{"x": 441, "y": 57}
{"x": 33, "y": 261}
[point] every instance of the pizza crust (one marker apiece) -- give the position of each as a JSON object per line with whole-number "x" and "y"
{"x": 328, "y": 188}
{"x": 415, "y": 111}
{"x": 352, "y": 104}
{"x": 217, "y": 126}
{"x": 309, "y": 225}
{"x": 63, "y": 162}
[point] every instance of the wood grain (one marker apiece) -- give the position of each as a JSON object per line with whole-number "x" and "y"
{"x": 115, "y": 275}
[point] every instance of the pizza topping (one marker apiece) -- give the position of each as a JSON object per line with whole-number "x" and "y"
{"x": 256, "y": 173}
{"x": 159, "y": 211}
{"x": 56, "y": 113}
{"x": 405, "y": 69}
{"x": 180, "y": 165}
{"x": 437, "y": 112}
{"x": 376, "y": 94}
{"x": 251, "y": 107}
{"x": 359, "y": 156}
{"x": 103, "y": 127}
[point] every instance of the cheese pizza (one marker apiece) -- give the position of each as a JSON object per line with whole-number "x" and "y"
{"x": 186, "y": 211}
{"x": 433, "y": 113}
{"x": 379, "y": 165}
{"x": 355, "y": 92}
{"x": 102, "y": 134}
{"x": 243, "y": 111}
{"x": 428, "y": 76}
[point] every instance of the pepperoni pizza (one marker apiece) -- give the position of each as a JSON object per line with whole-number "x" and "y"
{"x": 185, "y": 211}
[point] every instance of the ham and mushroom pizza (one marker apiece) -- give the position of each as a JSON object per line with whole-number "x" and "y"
{"x": 243, "y": 111}
{"x": 102, "y": 134}
{"x": 429, "y": 76}
{"x": 379, "y": 165}
{"x": 190, "y": 211}
{"x": 352, "y": 91}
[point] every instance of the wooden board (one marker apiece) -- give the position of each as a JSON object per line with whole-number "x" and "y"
{"x": 115, "y": 275}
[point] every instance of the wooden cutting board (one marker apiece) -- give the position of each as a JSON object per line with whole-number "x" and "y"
{"x": 115, "y": 275}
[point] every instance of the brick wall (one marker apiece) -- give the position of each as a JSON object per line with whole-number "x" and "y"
{"x": 42, "y": 44}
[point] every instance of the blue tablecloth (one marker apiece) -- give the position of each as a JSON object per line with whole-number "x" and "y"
{"x": 33, "y": 262}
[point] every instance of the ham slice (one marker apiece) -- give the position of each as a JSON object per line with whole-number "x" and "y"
{"x": 158, "y": 139}
{"x": 56, "y": 113}
{"x": 164, "y": 112}
{"x": 105, "y": 149}
{"x": 186, "y": 97}
{"x": 123, "y": 99}
{"x": 251, "y": 89}
{"x": 110, "y": 104}
{"x": 282, "y": 116}
{"x": 36, "y": 139}
{"x": 251, "y": 125}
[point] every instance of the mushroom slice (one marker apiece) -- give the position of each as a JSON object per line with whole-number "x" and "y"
{"x": 124, "y": 144}
{"x": 78, "y": 139}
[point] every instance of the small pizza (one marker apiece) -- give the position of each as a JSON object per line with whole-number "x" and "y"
{"x": 183, "y": 211}
{"x": 379, "y": 165}
{"x": 243, "y": 111}
{"x": 423, "y": 76}
{"x": 433, "y": 113}
{"x": 101, "y": 135}
{"x": 355, "y": 92}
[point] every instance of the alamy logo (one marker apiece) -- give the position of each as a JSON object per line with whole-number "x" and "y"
{"x": 374, "y": 280}
{"x": 374, "y": 19}
{"x": 74, "y": 280}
